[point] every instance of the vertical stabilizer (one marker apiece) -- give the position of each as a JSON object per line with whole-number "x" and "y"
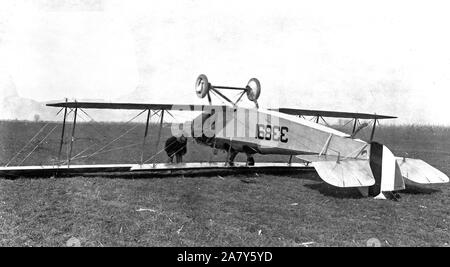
{"x": 385, "y": 170}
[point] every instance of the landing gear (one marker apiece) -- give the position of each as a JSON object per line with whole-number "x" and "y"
{"x": 231, "y": 155}
{"x": 250, "y": 160}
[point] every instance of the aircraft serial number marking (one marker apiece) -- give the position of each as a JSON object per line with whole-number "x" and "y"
{"x": 269, "y": 132}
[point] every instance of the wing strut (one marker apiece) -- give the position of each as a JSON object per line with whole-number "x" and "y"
{"x": 373, "y": 129}
{"x": 145, "y": 136}
{"x": 62, "y": 134}
{"x": 72, "y": 137}
{"x": 159, "y": 130}
{"x": 354, "y": 126}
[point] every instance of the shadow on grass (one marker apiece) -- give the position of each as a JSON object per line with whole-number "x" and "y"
{"x": 331, "y": 191}
{"x": 353, "y": 193}
{"x": 418, "y": 190}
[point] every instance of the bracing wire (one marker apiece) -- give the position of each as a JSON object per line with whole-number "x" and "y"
{"x": 38, "y": 145}
{"x": 92, "y": 120}
{"x": 326, "y": 123}
{"x": 106, "y": 151}
{"x": 345, "y": 124}
{"x": 78, "y": 156}
{"x": 221, "y": 100}
{"x": 101, "y": 149}
{"x": 31, "y": 140}
{"x": 364, "y": 131}
{"x": 59, "y": 111}
{"x": 157, "y": 153}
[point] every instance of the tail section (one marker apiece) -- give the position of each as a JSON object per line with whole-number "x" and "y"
{"x": 385, "y": 170}
{"x": 372, "y": 175}
{"x": 420, "y": 172}
{"x": 375, "y": 175}
{"x": 345, "y": 173}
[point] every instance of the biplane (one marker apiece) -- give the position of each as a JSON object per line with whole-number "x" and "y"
{"x": 340, "y": 159}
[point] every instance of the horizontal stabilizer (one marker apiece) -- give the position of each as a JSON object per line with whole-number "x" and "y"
{"x": 345, "y": 173}
{"x": 419, "y": 171}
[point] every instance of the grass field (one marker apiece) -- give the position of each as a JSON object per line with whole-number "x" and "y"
{"x": 242, "y": 210}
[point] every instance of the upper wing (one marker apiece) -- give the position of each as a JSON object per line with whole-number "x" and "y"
{"x": 141, "y": 106}
{"x": 331, "y": 114}
{"x": 193, "y": 107}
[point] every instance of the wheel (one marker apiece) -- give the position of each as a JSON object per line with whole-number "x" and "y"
{"x": 250, "y": 161}
{"x": 253, "y": 89}
{"x": 202, "y": 86}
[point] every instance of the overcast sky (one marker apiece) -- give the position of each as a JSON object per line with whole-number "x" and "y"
{"x": 387, "y": 57}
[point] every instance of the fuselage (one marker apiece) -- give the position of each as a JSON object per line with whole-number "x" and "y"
{"x": 271, "y": 132}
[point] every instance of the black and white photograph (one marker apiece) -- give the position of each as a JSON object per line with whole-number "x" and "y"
{"x": 224, "y": 124}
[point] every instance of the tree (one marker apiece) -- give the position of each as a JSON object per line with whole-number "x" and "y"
{"x": 37, "y": 117}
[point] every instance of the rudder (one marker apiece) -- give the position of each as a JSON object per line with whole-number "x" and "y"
{"x": 385, "y": 170}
